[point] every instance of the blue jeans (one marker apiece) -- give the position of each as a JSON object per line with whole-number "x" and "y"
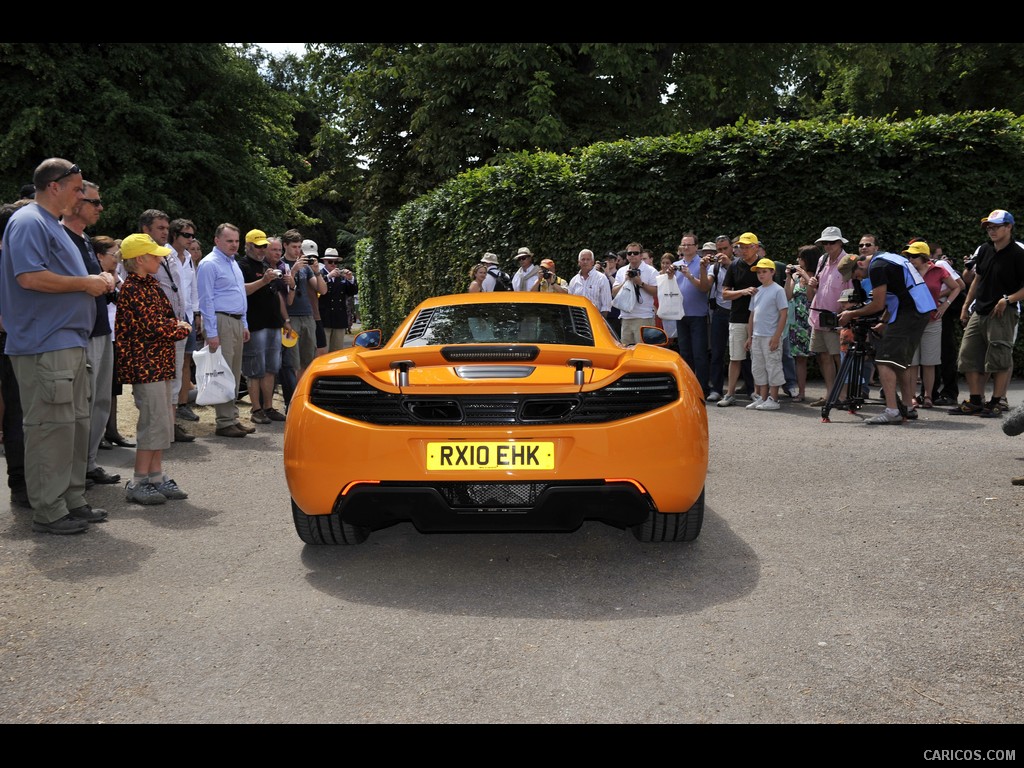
{"x": 693, "y": 346}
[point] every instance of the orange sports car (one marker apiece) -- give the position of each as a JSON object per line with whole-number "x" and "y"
{"x": 498, "y": 412}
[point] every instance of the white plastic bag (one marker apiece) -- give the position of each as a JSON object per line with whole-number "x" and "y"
{"x": 625, "y": 299}
{"x": 670, "y": 300}
{"x": 214, "y": 380}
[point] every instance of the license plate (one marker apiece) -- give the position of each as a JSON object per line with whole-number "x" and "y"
{"x": 490, "y": 455}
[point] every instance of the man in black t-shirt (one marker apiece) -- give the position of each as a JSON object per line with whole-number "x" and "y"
{"x": 739, "y": 285}
{"x": 989, "y": 333}
{"x": 261, "y": 354}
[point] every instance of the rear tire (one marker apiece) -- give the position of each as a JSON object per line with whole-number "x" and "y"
{"x": 660, "y": 526}
{"x": 326, "y": 529}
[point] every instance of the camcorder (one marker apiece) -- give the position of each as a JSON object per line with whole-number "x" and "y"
{"x": 854, "y": 298}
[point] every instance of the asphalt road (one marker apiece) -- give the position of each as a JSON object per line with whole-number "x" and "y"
{"x": 845, "y": 574}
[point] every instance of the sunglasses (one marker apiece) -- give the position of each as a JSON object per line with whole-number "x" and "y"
{"x": 257, "y": 246}
{"x": 994, "y": 226}
{"x": 632, "y": 253}
{"x": 92, "y": 201}
{"x": 187, "y": 235}
{"x": 865, "y": 245}
{"x": 69, "y": 172}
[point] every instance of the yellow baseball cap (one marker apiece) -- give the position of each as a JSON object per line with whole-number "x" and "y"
{"x": 289, "y": 337}
{"x": 138, "y": 244}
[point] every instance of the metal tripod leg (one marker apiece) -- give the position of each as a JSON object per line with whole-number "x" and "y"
{"x": 849, "y": 371}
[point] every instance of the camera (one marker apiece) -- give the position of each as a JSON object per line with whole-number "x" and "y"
{"x": 791, "y": 267}
{"x": 545, "y": 273}
{"x": 631, "y": 273}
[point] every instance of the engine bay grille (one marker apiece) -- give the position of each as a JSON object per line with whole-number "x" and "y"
{"x": 355, "y": 399}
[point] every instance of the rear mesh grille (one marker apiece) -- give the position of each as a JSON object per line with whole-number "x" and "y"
{"x": 631, "y": 395}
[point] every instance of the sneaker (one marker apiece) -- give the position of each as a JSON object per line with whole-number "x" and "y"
{"x": 714, "y": 397}
{"x": 143, "y": 493}
{"x": 231, "y": 431}
{"x": 912, "y": 414}
{"x": 88, "y": 514}
{"x": 181, "y": 436}
{"x": 185, "y": 412}
{"x": 754, "y": 403}
{"x": 726, "y": 401}
{"x": 170, "y": 490}
{"x": 62, "y": 527}
{"x": 786, "y": 391}
{"x": 258, "y": 417}
{"x": 771, "y": 404}
{"x": 247, "y": 430}
{"x": 967, "y": 408}
{"x": 944, "y": 400}
{"x": 885, "y": 418}
{"x": 273, "y": 414}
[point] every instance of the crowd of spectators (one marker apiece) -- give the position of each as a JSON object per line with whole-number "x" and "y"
{"x": 84, "y": 314}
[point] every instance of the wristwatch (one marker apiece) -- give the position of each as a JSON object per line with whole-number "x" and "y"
{"x": 1006, "y": 298}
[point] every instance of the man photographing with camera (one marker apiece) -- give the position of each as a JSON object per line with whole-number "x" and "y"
{"x": 550, "y": 282}
{"x": 897, "y": 289}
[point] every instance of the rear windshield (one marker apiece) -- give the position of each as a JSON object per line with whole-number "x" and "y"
{"x": 501, "y": 324}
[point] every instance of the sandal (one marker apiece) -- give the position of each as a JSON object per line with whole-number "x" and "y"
{"x": 927, "y": 403}
{"x": 797, "y": 399}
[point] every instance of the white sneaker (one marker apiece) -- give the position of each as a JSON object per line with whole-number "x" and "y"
{"x": 768, "y": 405}
{"x": 755, "y": 403}
{"x": 713, "y": 396}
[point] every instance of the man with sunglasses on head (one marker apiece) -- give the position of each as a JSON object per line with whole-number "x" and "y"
{"x": 157, "y": 225}
{"x": 989, "y": 332}
{"x": 47, "y": 298}
{"x": 100, "y": 352}
{"x": 182, "y": 233}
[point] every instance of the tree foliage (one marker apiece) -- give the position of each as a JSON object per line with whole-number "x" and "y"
{"x": 189, "y": 128}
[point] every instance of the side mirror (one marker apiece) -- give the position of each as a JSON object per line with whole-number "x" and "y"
{"x": 368, "y": 339}
{"x": 653, "y": 335}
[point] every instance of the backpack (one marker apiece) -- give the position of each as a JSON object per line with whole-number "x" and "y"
{"x": 502, "y": 281}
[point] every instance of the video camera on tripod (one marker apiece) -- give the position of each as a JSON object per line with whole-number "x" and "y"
{"x": 849, "y": 376}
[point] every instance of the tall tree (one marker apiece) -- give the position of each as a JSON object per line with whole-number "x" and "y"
{"x": 190, "y": 128}
{"x": 421, "y": 113}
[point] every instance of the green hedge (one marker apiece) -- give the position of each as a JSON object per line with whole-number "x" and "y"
{"x": 931, "y": 177}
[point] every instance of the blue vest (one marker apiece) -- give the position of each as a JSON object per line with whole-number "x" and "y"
{"x": 919, "y": 292}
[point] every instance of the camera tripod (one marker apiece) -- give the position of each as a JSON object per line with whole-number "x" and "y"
{"x": 851, "y": 371}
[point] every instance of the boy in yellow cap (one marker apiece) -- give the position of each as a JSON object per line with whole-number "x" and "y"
{"x": 768, "y": 310}
{"x": 145, "y": 331}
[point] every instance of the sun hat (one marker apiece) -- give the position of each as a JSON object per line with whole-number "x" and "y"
{"x": 709, "y": 246}
{"x": 830, "y": 235}
{"x": 490, "y": 258}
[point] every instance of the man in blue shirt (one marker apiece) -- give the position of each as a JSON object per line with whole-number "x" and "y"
{"x": 222, "y": 303}
{"x": 49, "y": 308}
{"x": 694, "y": 283}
